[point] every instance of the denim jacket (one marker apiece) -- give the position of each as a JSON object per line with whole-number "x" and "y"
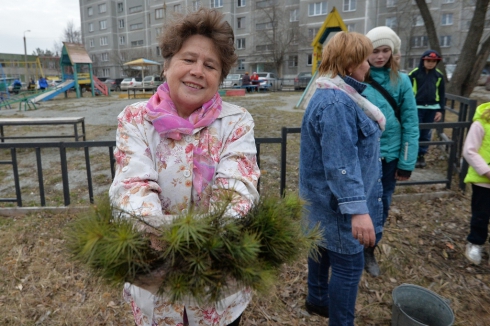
{"x": 340, "y": 166}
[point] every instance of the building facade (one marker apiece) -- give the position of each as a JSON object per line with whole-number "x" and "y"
{"x": 270, "y": 35}
{"x": 31, "y": 66}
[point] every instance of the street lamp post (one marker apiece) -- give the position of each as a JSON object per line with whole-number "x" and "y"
{"x": 25, "y": 55}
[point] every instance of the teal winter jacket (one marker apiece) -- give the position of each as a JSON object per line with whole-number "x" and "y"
{"x": 398, "y": 140}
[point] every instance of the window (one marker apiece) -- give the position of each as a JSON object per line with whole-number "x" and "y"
{"x": 350, "y": 5}
{"x": 390, "y": 3}
{"x": 136, "y": 26}
{"x": 158, "y": 51}
{"x": 447, "y": 19}
{"x": 132, "y": 10}
{"x": 102, "y": 8}
{"x": 447, "y": 1}
{"x": 263, "y": 26}
{"x": 241, "y": 64}
{"x": 317, "y": 8}
{"x": 122, "y": 40}
{"x": 196, "y": 5}
{"x": 121, "y": 23}
{"x": 158, "y": 31}
{"x": 391, "y": 22}
{"x": 420, "y": 41}
{"x": 309, "y": 59}
{"x": 312, "y": 33}
{"x": 445, "y": 41}
{"x": 103, "y": 24}
{"x": 294, "y": 15}
{"x": 293, "y": 61}
{"x": 264, "y": 4}
{"x": 136, "y": 43}
{"x": 264, "y": 47}
{"x": 351, "y": 27}
{"x": 90, "y": 27}
{"x": 240, "y": 22}
{"x": 241, "y": 3}
{"x": 103, "y": 40}
{"x": 413, "y": 62}
{"x": 120, "y": 7}
{"x": 417, "y": 21}
{"x": 216, "y": 3}
{"x": 106, "y": 72}
{"x": 91, "y": 43}
{"x": 90, "y": 11}
{"x": 178, "y": 8}
{"x": 240, "y": 43}
{"x": 159, "y": 13}
{"x": 104, "y": 57}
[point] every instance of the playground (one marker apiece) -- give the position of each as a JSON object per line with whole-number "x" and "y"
{"x": 77, "y": 76}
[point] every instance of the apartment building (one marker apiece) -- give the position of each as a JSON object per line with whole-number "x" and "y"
{"x": 270, "y": 35}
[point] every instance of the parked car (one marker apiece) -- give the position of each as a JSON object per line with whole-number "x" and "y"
{"x": 232, "y": 80}
{"x": 482, "y": 80}
{"x": 114, "y": 85}
{"x": 130, "y": 83}
{"x": 150, "y": 81}
{"x": 302, "y": 80}
{"x": 54, "y": 82}
{"x": 268, "y": 80}
{"x": 23, "y": 87}
{"x": 487, "y": 83}
{"x": 449, "y": 71}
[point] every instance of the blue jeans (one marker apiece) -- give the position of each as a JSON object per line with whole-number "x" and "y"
{"x": 389, "y": 182}
{"x": 425, "y": 116}
{"x": 340, "y": 293}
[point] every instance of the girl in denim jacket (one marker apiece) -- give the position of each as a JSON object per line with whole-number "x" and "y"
{"x": 340, "y": 173}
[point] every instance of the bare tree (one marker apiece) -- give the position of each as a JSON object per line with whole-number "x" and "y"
{"x": 475, "y": 49}
{"x": 43, "y": 53}
{"x": 71, "y": 34}
{"x": 278, "y": 34}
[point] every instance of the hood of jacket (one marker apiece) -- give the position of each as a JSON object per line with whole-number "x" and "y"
{"x": 430, "y": 54}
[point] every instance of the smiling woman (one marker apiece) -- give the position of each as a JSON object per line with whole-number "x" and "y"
{"x": 182, "y": 151}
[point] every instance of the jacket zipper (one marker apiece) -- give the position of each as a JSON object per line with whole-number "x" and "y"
{"x": 406, "y": 151}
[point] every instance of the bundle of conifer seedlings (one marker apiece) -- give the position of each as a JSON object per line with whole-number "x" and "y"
{"x": 200, "y": 256}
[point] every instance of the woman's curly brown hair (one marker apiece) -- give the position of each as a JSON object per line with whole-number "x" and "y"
{"x": 205, "y": 22}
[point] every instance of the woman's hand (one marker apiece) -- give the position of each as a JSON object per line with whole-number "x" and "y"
{"x": 363, "y": 229}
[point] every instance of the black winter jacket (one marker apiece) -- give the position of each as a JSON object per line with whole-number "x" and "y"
{"x": 428, "y": 86}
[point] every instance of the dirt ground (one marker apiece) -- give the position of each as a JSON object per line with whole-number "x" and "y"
{"x": 423, "y": 244}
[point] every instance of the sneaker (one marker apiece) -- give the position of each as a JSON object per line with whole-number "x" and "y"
{"x": 370, "y": 264}
{"x": 420, "y": 162}
{"x": 316, "y": 310}
{"x": 473, "y": 253}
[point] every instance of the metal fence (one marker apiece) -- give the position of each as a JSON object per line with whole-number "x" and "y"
{"x": 452, "y": 141}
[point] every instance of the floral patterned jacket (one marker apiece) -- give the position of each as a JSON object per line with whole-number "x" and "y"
{"x": 154, "y": 180}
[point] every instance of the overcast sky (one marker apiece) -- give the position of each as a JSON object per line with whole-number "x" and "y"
{"x": 46, "y": 20}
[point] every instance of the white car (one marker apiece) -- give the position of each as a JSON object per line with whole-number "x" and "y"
{"x": 131, "y": 82}
{"x": 232, "y": 80}
{"x": 268, "y": 80}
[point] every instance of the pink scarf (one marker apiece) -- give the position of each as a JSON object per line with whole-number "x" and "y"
{"x": 162, "y": 113}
